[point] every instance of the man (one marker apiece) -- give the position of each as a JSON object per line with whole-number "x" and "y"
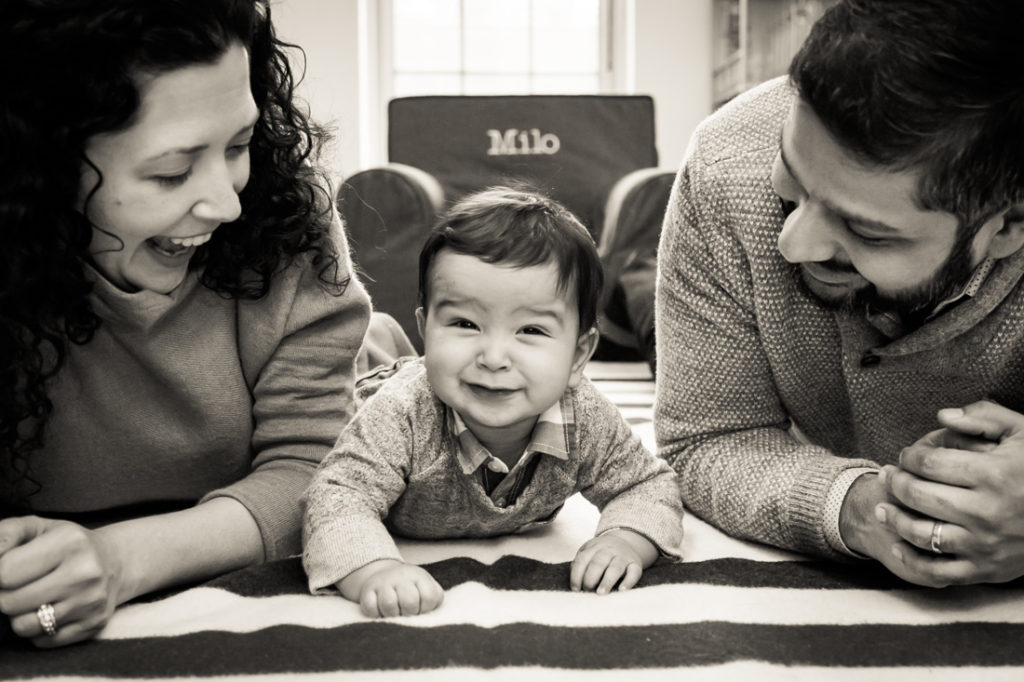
{"x": 840, "y": 304}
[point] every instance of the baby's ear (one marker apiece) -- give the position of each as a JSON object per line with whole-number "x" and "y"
{"x": 421, "y": 321}
{"x": 586, "y": 344}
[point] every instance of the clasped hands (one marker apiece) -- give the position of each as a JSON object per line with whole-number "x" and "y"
{"x": 389, "y": 587}
{"x": 968, "y": 475}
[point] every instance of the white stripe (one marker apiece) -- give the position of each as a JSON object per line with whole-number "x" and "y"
{"x": 475, "y": 604}
{"x": 730, "y": 672}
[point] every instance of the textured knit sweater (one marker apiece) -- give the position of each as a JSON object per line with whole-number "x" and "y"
{"x": 190, "y": 395}
{"x": 396, "y": 467}
{"x": 744, "y": 353}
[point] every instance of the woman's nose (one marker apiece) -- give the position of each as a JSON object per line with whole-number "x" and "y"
{"x": 219, "y": 200}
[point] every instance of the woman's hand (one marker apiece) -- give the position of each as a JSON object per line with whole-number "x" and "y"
{"x": 969, "y": 476}
{"x": 86, "y": 573}
{"x": 72, "y": 568}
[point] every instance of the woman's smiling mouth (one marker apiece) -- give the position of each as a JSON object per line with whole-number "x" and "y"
{"x": 176, "y": 246}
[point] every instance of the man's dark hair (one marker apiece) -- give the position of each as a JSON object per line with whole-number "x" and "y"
{"x": 519, "y": 227}
{"x": 935, "y": 86}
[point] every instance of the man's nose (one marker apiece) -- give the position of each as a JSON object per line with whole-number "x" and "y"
{"x": 807, "y": 235}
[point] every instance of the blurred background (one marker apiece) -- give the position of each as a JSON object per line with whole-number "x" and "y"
{"x": 690, "y": 56}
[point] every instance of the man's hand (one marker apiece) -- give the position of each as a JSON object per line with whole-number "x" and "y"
{"x": 968, "y": 475}
{"x": 602, "y": 561}
{"x": 388, "y": 587}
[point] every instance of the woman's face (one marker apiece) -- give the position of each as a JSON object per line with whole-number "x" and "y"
{"x": 174, "y": 176}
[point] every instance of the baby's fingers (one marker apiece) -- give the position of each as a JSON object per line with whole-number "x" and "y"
{"x": 431, "y": 595}
{"x": 368, "y": 604}
{"x": 579, "y": 566}
{"x": 596, "y": 568}
{"x": 615, "y": 570}
{"x": 632, "y": 577}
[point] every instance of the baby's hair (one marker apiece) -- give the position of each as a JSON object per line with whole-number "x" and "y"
{"x": 519, "y": 227}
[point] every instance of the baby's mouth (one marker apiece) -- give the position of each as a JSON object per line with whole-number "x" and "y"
{"x": 174, "y": 246}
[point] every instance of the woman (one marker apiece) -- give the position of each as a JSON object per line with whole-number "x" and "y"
{"x": 179, "y": 319}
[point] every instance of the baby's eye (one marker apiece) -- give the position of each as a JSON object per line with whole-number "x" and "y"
{"x": 461, "y": 323}
{"x": 534, "y": 331}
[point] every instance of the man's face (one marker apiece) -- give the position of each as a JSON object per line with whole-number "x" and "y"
{"x": 857, "y": 232}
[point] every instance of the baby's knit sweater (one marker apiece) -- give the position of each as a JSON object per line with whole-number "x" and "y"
{"x": 743, "y": 352}
{"x": 395, "y": 468}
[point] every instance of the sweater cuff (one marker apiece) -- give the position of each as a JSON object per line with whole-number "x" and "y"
{"x": 272, "y": 497}
{"x": 335, "y": 549}
{"x": 834, "y": 504}
{"x": 662, "y": 528}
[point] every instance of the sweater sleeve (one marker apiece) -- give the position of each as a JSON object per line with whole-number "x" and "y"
{"x": 356, "y": 485}
{"x": 632, "y": 488}
{"x": 297, "y": 346}
{"x": 718, "y": 417}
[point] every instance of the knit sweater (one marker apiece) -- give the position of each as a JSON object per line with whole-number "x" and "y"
{"x": 396, "y": 468}
{"x": 744, "y": 353}
{"x": 182, "y": 397}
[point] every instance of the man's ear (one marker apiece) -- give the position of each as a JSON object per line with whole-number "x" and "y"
{"x": 1009, "y": 232}
{"x": 421, "y": 321}
{"x": 585, "y": 347}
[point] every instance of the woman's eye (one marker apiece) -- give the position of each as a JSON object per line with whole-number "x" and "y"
{"x": 173, "y": 180}
{"x": 238, "y": 149}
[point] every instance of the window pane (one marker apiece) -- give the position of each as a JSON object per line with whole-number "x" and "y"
{"x": 566, "y": 38}
{"x": 565, "y": 51}
{"x": 497, "y": 35}
{"x": 498, "y": 85}
{"x": 406, "y": 84}
{"x": 426, "y": 35}
{"x": 565, "y": 85}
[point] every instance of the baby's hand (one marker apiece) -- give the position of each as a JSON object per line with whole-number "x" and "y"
{"x": 601, "y": 561}
{"x": 388, "y": 587}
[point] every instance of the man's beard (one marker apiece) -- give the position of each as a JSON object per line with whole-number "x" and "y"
{"x": 911, "y": 306}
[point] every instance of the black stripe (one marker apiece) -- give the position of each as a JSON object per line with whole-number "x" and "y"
{"x": 519, "y": 573}
{"x": 389, "y": 646}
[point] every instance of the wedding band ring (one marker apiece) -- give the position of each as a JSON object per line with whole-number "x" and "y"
{"x": 936, "y": 541}
{"x": 47, "y": 619}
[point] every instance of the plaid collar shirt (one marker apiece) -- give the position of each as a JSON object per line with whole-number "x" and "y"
{"x": 551, "y": 435}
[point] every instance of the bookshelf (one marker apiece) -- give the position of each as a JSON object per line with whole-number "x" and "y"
{"x": 754, "y": 40}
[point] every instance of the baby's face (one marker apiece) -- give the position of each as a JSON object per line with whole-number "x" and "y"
{"x": 501, "y": 344}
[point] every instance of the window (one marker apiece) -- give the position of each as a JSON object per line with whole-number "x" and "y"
{"x": 488, "y": 47}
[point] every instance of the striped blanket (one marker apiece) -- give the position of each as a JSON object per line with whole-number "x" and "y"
{"x": 731, "y": 611}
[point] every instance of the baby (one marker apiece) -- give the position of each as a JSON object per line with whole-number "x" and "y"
{"x": 495, "y": 426}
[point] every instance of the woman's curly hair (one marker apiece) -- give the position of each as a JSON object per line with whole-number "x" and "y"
{"x": 70, "y": 70}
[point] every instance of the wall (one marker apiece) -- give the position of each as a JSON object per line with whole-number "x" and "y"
{"x": 329, "y": 33}
{"x": 670, "y": 60}
{"x": 673, "y": 65}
